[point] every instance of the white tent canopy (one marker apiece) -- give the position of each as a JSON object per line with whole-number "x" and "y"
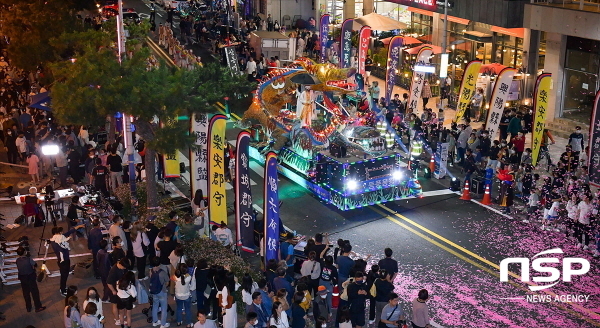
{"x": 380, "y": 23}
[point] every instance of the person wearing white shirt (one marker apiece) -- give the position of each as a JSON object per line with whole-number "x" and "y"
{"x": 224, "y": 235}
{"x": 279, "y": 318}
{"x": 126, "y": 292}
{"x": 250, "y": 66}
{"x": 93, "y": 297}
{"x": 312, "y": 268}
{"x": 203, "y": 322}
{"x": 184, "y": 284}
{"x": 139, "y": 240}
{"x": 582, "y": 228}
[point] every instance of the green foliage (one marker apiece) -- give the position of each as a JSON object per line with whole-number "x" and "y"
{"x": 32, "y": 23}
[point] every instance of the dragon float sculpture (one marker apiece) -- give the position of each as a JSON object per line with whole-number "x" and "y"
{"x": 276, "y": 91}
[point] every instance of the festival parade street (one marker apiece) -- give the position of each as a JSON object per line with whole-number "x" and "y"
{"x": 264, "y": 164}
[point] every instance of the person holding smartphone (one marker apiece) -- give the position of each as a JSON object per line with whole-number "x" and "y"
{"x": 91, "y": 319}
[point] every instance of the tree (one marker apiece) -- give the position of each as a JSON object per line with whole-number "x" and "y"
{"x": 30, "y": 24}
{"x": 95, "y": 86}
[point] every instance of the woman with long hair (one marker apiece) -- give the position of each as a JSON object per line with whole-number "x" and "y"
{"x": 184, "y": 284}
{"x": 92, "y": 296}
{"x": 71, "y": 316}
{"x": 127, "y": 293}
{"x": 140, "y": 243}
{"x": 71, "y": 291}
{"x": 228, "y": 286}
{"x": 278, "y": 318}
{"x": 248, "y": 287}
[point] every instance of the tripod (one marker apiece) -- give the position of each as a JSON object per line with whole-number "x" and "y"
{"x": 49, "y": 204}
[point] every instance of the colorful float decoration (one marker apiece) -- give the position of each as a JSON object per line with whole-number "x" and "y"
{"x": 323, "y": 142}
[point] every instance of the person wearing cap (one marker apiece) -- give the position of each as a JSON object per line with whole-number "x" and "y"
{"x": 357, "y": 295}
{"x": 322, "y": 308}
{"x": 420, "y": 315}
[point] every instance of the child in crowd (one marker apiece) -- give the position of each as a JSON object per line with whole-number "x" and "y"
{"x": 533, "y": 204}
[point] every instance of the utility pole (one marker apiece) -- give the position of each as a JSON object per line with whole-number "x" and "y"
{"x": 127, "y": 119}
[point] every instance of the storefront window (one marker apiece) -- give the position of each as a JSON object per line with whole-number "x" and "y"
{"x": 582, "y": 63}
{"x": 542, "y": 52}
{"x": 509, "y": 50}
{"x": 422, "y": 25}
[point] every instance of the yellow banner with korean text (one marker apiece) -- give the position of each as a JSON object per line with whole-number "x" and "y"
{"x": 541, "y": 95}
{"x": 467, "y": 88}
{"x": 217, "y": 205}
{"x": 171, "y": 163}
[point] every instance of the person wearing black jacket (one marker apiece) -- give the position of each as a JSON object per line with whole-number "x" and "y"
{"x": 152, "y": 233}
{"x": 94, "y": 239}
{"x": 201, "y": 276}
{"x": 26, "y": 267}
{"x": 73, "y": 216}
{"x": 329, "y": 276}
{"x": 357, "y": 295}
{"x": 60, "y": 245}
{"x": 103, "y": 258}
{"x": 470, "y": 166}
{"x": 384, "y": 288}
{"x": 372, "y": 276}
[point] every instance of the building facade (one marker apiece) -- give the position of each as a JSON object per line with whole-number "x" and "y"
{"x": 569, "y": 48}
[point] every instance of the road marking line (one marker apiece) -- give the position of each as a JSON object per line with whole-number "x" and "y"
{"x": 436, "y": 193}
{"x": 480, "y": 258}
{"x": 160, "y": 52}
{"x": 484, "y": 268}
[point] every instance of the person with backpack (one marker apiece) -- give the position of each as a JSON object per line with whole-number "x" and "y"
{"x": 357, "y": 296}
{"x": 159, "y": 281}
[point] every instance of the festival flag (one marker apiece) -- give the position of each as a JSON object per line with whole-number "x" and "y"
{"x": 416, "y": 85}
{"x": 244, "y": 220}
{"x": 171, "y": 165}
{"x": 498, "y": 99}
{"x": 324, "y": 36}
{"x": 392, "y": 66}
{"x": 593, "y": 163}
{"x": 363, "y": 47}
{"x": 271, "y": 209}
{"x": 346, "y": 44}
{"x": 541, "y": 93}
{"x": 217, "y": 205}
{"x": 467, "y": 88}
{"x": 199, "y": 156}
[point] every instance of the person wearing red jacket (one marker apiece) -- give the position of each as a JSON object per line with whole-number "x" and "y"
{"x": 519, "y": 142}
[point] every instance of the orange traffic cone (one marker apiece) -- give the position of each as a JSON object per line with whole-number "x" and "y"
{"x": 487, "y": 197}
{"x": 466, "y": 192}
{"x": 432, "y": 164}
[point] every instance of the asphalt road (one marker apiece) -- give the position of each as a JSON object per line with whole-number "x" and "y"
{"x": 449, "y": 246}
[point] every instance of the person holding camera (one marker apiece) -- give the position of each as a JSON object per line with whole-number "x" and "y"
{"x": 392, "y": 315}
{"x": 26, "y": 268}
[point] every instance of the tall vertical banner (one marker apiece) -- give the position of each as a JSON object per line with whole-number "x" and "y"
{"x": 363, "y": 48}
{"x": 467, "y": 88}
{"x": 498, "y": 99}
{"x": 244, "y": 220}
{"x": 217, "y": 203}
{"x": 392, "y": 66}
{"x": 271, "y": 209}
{"x": 199, "y": 156}
{"x": 418, "y": 80}
{"x": 541, "y": 93}
{"x": 324, "y": 36}
{"x": 346, "y": 44}
{"x": 594, "y": 153}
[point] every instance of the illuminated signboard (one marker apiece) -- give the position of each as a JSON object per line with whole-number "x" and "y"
{"x": 423, "y": 4}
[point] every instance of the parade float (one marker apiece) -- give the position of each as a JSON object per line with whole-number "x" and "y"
{"x": 336, "y": 152}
